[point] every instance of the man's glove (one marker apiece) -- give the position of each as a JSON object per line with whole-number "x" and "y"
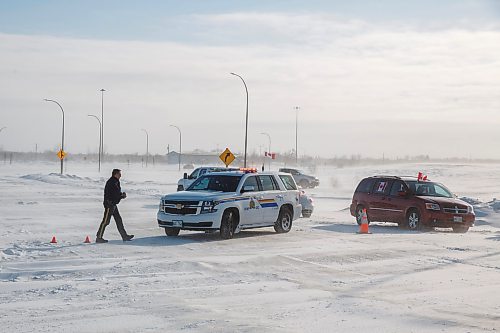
{"x": 124, "y": 195}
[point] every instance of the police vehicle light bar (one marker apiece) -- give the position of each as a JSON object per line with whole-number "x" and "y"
{"x": 248, "y": 170}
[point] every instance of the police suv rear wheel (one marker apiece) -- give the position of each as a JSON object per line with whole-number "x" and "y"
{"x": 284, "y": 222}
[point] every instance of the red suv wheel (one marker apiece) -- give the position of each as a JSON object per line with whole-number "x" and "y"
{"x": 414, "y": 220}
{"x": 359, "y": 214}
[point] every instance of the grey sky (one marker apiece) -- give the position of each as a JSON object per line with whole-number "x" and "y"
{"x": 371, "y": 78}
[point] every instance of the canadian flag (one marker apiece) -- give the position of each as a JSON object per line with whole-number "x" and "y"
{"x": 421, "y": 176}
{"x": 271, "y": 155}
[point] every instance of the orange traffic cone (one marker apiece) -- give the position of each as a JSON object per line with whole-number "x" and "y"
{"x": 53, "y": 241}
{"x": 87, "y": 240}
{"x": 363, "y": 227}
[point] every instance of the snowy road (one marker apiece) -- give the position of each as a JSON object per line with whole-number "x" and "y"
{"x": 320, "y": 277}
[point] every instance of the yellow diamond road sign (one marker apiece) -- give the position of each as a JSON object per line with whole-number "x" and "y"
{"x": 61, "y": 154}
{"x": 227, "y": 157}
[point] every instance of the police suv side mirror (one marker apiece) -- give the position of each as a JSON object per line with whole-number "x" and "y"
{"x": 185, "y": 175}
{"x": 248, "y": 188}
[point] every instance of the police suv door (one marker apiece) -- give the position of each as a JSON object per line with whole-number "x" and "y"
{"x": 251, "y": 214}
{"x": 270, "y": 198}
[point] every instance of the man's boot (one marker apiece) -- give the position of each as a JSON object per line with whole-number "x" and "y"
{"x": 128, "y": 238}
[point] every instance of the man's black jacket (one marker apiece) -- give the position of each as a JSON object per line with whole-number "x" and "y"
{"x": 112, "y": 192}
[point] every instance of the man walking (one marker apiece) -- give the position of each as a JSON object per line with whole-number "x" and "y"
{"x": 112, "y": 196}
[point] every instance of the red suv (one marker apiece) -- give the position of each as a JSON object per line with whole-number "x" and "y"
{"x": 412, "y": 203}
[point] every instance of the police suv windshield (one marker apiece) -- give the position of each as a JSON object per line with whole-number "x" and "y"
{"x": 429, "y": 189}
{"x": 216, "y": 183}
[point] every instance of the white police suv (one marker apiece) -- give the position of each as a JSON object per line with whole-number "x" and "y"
{"x": 232, "y": 201}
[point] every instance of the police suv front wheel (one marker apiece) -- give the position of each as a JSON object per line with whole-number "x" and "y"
{"x": 172, "y": 231}
{"x": 284, "y": 222}
{"x": 228, "y": 224}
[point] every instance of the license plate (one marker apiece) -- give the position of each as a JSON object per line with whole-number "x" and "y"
{"x": 457, "y": 218}
{"x": 177, "y": 223}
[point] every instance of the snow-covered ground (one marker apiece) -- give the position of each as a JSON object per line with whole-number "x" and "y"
{"x": 320, "y": 277}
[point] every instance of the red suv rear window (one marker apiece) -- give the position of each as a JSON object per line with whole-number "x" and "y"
{"x": 365, "y": 186}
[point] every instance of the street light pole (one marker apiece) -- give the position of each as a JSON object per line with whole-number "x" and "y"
{"x": 180, "y": 145}
{"x": 100, "y": 138}
{"x": 147, "y": 146}
{"x": 269, "y": 152}
{"x": 62, "y": 139}
{"x": 246, "y": 120}
{"x": 269, "y": 138}
{"x": 297, "y": 108}
{"x": 102, "y": 123}
{"x": 1, "y": 129}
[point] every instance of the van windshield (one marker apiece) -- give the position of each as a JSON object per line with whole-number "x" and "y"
{"x": 429, "y": 189}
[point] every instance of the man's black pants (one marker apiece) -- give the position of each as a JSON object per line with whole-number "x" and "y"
{"x": 108, "y": 212}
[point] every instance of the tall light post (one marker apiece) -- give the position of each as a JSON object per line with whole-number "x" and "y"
{"x": 102, "y": 123}
{"x": 147, "y": 146}
{"x": 296, "y": 108}
{"x": 269, "y": 138}
{"x": 269, "y": 151}
{"x": 1, "y": 129}
{"x": 180, "y": 144}
{"x": 100, "y": 139}
{"x": 62, "y": 138}
{"x": 246, "y": 120}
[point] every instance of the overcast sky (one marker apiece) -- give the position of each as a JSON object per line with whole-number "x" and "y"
{"x": 370, "y": 77}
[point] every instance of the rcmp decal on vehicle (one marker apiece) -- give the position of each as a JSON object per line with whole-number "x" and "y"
{"x": 252, "y": 204}
{"x": 267, "y": 203}
{"x": 234, "y": 199}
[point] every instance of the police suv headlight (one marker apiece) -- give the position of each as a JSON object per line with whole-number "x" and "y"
{"x": 432, "y": 206}
{"x": 470, "y": 209}
{"x": 209, "y": 207}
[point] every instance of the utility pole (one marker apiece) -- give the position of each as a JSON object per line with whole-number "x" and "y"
{"x": 147, "y": 146}
{"x": 102, "y": 123}
{"x": 297, "y": 108}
